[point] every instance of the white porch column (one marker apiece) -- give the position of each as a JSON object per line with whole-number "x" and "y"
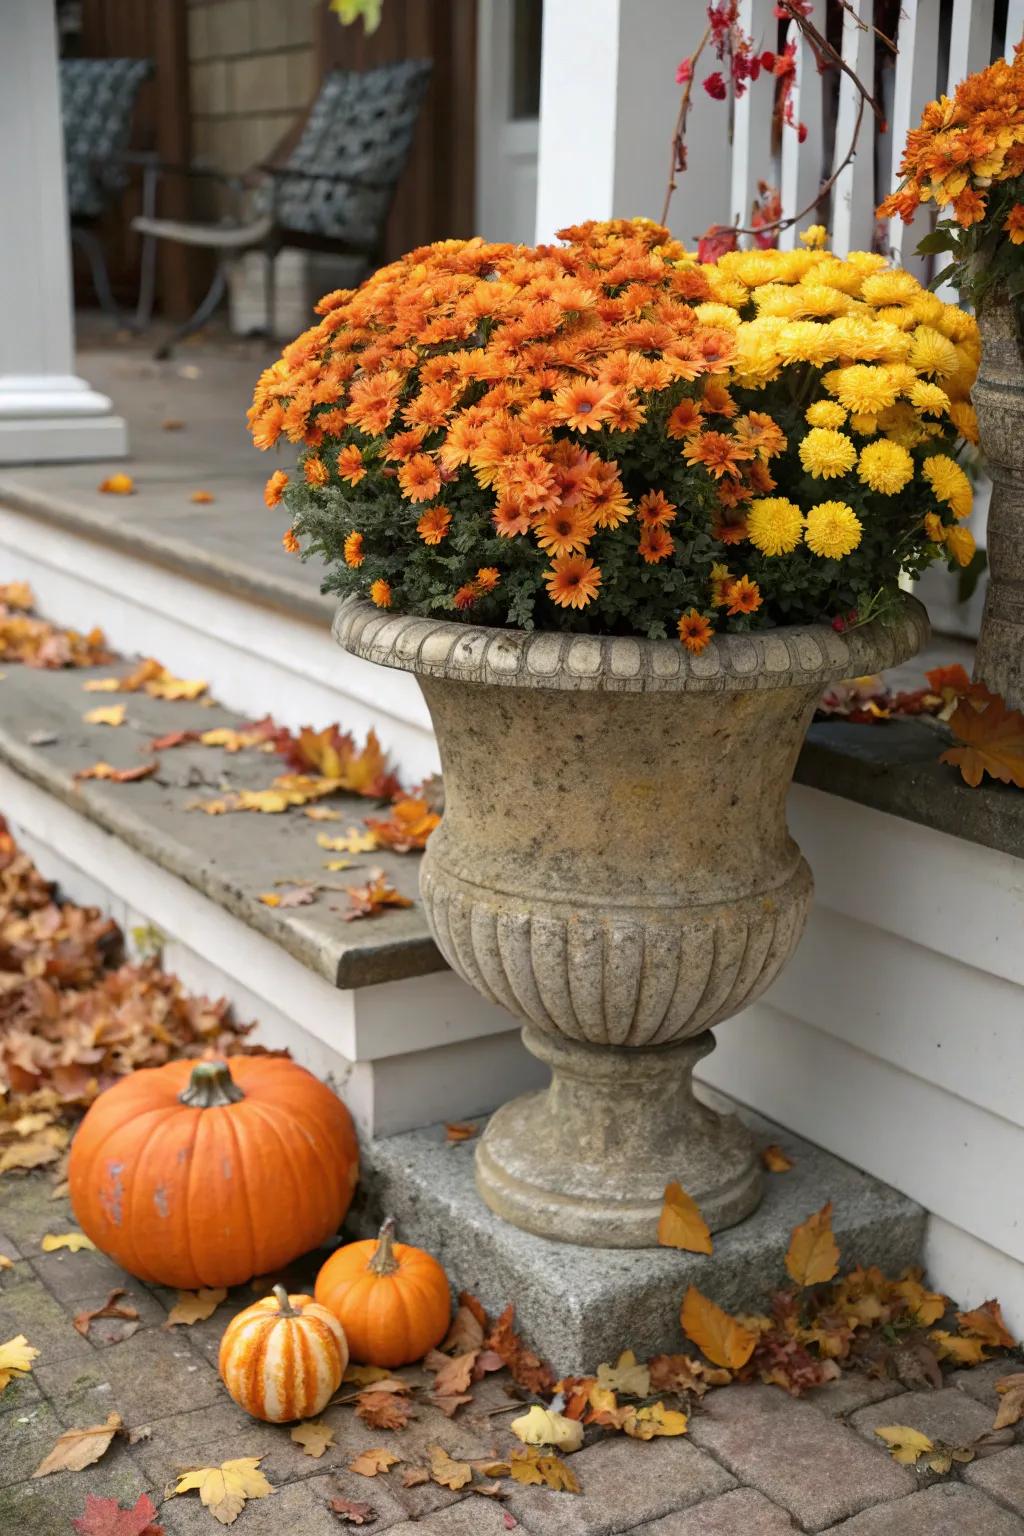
{"x": 46, "y": 412}
{"x": 608, "y": 108}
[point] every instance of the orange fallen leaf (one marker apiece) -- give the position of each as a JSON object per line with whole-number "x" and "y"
{"x": 117, "y": 775}
{"x": 459, "y": 1130}
{"x": 369, "y": 1463}
{"x": 1011, "y": 1407}
{"x": 201, "y": 497}
{"x": 986, "y": 1323}
{"x": 172, "y": 739}
{"x": 775, "y": 1160}
{"x": 813, "y": 1255}
{"x": 992, "y": 738}
{"x": 118, "y": 485}
{"x": 953, "y": 677}
{"x": 314, "y": 1436}
{"x": 372, "y": 898}
{"x": 720, "y": 1337}
{"x": 535, "y": 1465}
{"x": 951, "y": 1347}
{"x": 195, "y": 1306}
{"x": 169, "y": 687}
{"x": 172, "y": 424}
{"x": 681, "y": 1224}
{"x": 107, "y": 714}
{"x": 447, "y": 1472}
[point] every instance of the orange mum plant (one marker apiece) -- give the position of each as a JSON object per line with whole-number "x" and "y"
{"x": 608, "y": 435}
{"x": 967, "y": 157}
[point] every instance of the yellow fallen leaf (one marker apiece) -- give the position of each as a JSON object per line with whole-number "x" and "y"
{"x": 775, "y": 1160}
{"x": 369, "y": 1463}
{"x": 625, "y": 1376}
{"x": 314, "y": 1436}
{"x": 168, "y": 687}
{"x": 194, "y": 1306}
{"x": 681, "y": 1224}
{"x": 74, "y": 1242}
{"x": 1011, "y": 1406}
{"x": 108, "y": 714}
{"x": 446, "y": 1472}
{"x": 34, "y": 1153}
{"x": 539, "y": 1426}
{"x": 224, "y": 1490}
{"x": 906, "y": 1445}
{"x": 986, "y": 1323}
{"x": 270, "y": 899}
{"x": 102, "y": 685}
{"x": 117, "y": 485}
{"x": 16, "y": 1357}
{"x": 533, "y": 1466}
{"x": 28, "y": 1125}
{"x": 5, "y": 1262}
{"x": 363, "y": 1375}
{"x": 202, "y": 497}
{"x": 813, "y": 1255}
{"x": 78, "y": 1448}
{"x": 334, "y": 865}
{"x": 321, "y": 813}
{"x": 352, "y": 841}
{"x": 646, "y": 1423}
{"x": 951, "y": 1346}
{"x": 722, "y": 1338}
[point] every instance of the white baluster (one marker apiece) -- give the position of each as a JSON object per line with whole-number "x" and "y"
{"x": 801, "y": 174}
{"x": 853, "y": 200}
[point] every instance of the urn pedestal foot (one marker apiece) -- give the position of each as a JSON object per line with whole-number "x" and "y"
{"x": 587, "y": 1159}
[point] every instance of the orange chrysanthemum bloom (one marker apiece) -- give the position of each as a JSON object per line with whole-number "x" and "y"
{"x": 404, "y": 444}
{"x": 466, "y": 596}
{"x": 380, "y": 593}
{"x": 566, "y": 531}
{"x": 1014, "y": 225}
{"x": 609, "y": 505}
{"x": 274, "y": 488}
{"x": 761, "y": 434}
{"x": 743, "y": 596}
{"x": 654, "y": 509}
{"x": 434, "y": 524}
{"x": 419, "y": 478}
{"x": 487, "y": 578}
{"x": 350, "y": 464}
{"x": 694, "y": 631}
{"x": 720, "y": 455}
{"x": 509, "y": 519}
{"x": 686, "y": 420}
{"x": 290, "y": 542}
{"x": 354, "y": 552}
{"x": 315, "y": 472}
{"x": 573, "y": 581}
{"x": 583, "y": 405}
{"x": 655, "y": 544}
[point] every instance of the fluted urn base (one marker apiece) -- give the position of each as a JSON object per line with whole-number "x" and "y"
{"x": 587, "y": 1159}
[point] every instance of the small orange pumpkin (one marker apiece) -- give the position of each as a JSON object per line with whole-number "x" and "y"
{"x": 391, "y": 1299}
{"x": 283, "y": 1358}
{"x": 205, "y": 1174}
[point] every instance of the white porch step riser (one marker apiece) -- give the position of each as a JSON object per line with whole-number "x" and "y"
{"x": 256, "y": 659}
{"x": 401, "y": 1054}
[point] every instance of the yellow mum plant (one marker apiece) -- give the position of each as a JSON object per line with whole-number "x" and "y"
{"x": 610, "y": 435}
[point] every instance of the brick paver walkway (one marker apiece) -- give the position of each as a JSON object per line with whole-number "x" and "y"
{"x": 755, "y": 1463}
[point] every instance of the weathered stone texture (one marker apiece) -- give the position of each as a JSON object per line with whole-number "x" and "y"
{"x": 946, "y": 1509}
{"x": 743, "y": 1512}
{"x": 946, "y": 1415}
{"x": 1001, "y": 1476}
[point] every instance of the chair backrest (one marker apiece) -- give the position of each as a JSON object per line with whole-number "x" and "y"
{"x": 360, "y": 127}
{"x": 98, "y": 99}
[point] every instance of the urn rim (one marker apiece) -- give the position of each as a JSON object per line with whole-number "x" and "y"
{"x": 797, "y": 655}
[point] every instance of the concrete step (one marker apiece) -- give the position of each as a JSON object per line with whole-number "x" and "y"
{"x": 369, "y": 1005}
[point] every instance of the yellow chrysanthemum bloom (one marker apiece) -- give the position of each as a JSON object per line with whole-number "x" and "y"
{"x": 885, "y": 467}
{"x": 931, "y": 352}
{"x": 961, "y": 545}
{"x": 957, "y": 324}
{"x": 927, "y": 398}
{"x": 774, "y": 525}
{"x": 903, "y": 425}
{"x": 724, "y": 290}
{"x": 825, "y": 453}
{"x": 865, "y": 390}
{"x": 815, "y": 237}
{"x": 801, "y": 341}
{"x": 884, "y": 288}
{"x": 927, "y": 309}
{"x": 717, "y": 314}
{"x": 935, "y": 528}
{"x": 949, "y": 483}
{"x": 863, "y": 424}
{"x": 902, "y": 317}
{"x": 838, "y": 274}
{"x": 825, "y": 413}
{"x": 820, "y": 299}
{"x": 833, "y": 530}
{"x": 866, "y": 262}
{"x": 902, "y": 375}
{"x": 965, "y": 418}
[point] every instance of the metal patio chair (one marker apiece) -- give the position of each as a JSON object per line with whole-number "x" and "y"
{"x": 331, "y": 191}
{"x": 98, "y": 99}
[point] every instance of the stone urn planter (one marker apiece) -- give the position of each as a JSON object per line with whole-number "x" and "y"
{"x": 615, "y": 869}
{"x": 998, "y": 397}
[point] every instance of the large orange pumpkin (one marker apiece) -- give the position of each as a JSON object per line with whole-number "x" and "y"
{"x": 391, "y": 1299}
{"x": 205, "y": 1174}
{"x": 283, "y": 1358}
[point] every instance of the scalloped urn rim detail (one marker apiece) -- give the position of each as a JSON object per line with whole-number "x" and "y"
{"x": 614, "y": 868}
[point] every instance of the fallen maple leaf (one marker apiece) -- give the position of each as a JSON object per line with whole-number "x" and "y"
{"x": 172, "y": 739}
{"x": 202, "y": 497}
{"x": 369, "y": 1463}
{"x": 168, "y": 687}
{"x": 111, "y": 1308}
{"x": 625, "y": 1376}
{"x": 383, "y": 1410}
{"x": 951, "y": 1346}
{"x": 414, "y": 1477}
{"x": 906, "y": 1445}
{"x": 16, "y": 1357}
{"x": 373, "y": 898}
{"x": 74, "y": 1242}
{"x": 992, "y": 738}
{"x": 1011, "y": 1408}
{"x": 352, "y": 841}
{"x": 685, "y": 1373}
{"x": 722, "y": 1338}
{"x": 117, "y": 485}
{"x": 533, "y": 1466}
{"x": 363, "y": 1375}
{"x": 28, "y": 1154}
{"x": 986, "y": 1323}
{"x": 526, "y": 1368}
{"x": 5, "y": 1262}
{"x": 775, "y": 1160}
{"x": 105, "y": 1517}
{"x": 78, "y": 1448}
{"x": 352, "y": 1511}
{"x": 106, "y": 714}
{"x": 224, "y": 1490}
{"x": 813, "y": 1255}
{"x": 681, "y": 1224}
{"x": 446, "y": 1472}
{"x": 466, "y": 1334}
{"x": 314, "y": 1436}
{"x": 117, "y": 775}
{"x": 194, "y": 1307}
{"x": 407, "y": 827}
{"x": 953, "y": 677}
{"x": 541, "y": 1426}
{"x": 460, "y": 1130}
{"x": 646, "y": 1423}
{"x": 321, "y": 813}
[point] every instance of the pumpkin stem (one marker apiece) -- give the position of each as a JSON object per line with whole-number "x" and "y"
{"x": 211, "y": 1084}
{"x": 384, "y": 1261}
{"x": 284, "y": 1305}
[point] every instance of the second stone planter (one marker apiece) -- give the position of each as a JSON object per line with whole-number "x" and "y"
{"x": 614, "y": 868}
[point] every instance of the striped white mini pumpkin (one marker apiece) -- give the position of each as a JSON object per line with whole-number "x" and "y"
{"x": 283, "y": 1358}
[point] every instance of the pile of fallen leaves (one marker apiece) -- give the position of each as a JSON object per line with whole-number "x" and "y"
{"x": 34, "y": 642}
{"x": 74, "y": 1017}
